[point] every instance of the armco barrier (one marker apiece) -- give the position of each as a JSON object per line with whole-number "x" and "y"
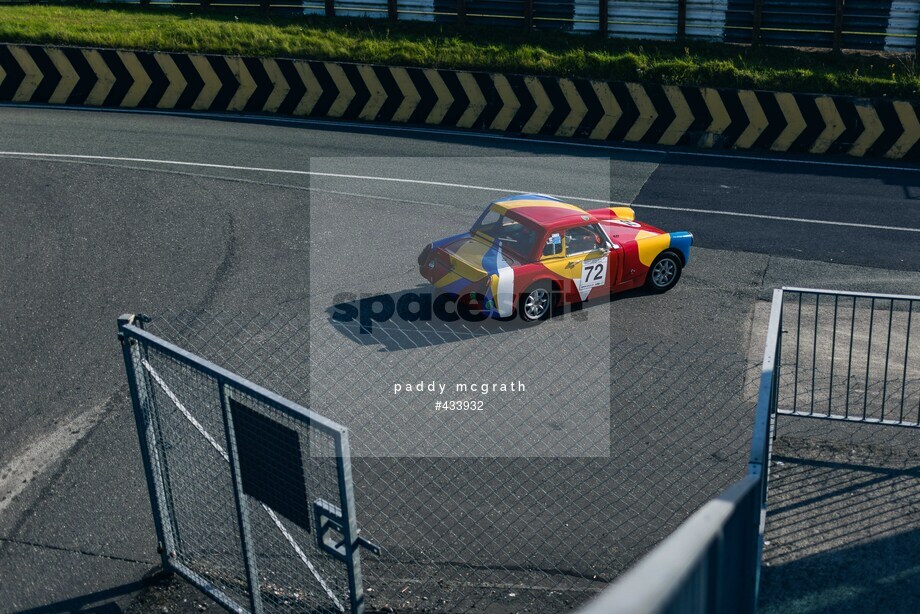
{"x": 550, "y": 106}
{"x": 889, "y": 25}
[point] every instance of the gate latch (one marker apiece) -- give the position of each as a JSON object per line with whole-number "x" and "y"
{"x": 327, "y": 520}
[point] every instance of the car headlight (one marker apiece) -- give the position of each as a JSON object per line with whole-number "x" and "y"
{"x": 431, "y": 264}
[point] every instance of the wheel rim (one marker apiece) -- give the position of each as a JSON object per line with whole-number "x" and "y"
{"x": 664, "y": 272}
{"x": 536, "y": 303}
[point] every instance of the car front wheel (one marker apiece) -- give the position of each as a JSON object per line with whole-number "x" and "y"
{"x": 664, "y": 272}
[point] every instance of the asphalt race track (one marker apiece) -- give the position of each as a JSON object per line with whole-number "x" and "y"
{"x": 103, "y": 213}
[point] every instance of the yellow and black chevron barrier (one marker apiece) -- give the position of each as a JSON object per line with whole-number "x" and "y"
{"x": 612, "y": 111}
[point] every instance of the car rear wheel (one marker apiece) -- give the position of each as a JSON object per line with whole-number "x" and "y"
{"x": 535, "y": 303}
{"x": 664, "y": 272}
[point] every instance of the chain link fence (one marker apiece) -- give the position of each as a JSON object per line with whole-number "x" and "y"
{"x": 538, "y": 500}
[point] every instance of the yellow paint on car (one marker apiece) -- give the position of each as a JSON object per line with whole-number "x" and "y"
{"x": 570, "y": 268}
{"x": 446, "y": 280}
{"x": 650, "y": 245}
{"x": 624, "y": 213}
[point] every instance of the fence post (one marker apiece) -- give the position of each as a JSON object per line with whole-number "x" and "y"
{"x": 461, "y": 12}
{"x": 349, "y": 525}
{"x": 838, "y": 24}
{"x": 917, "y": 40}
{"x": 147, "y": 440}
{"x": 242, "y": 506}
{"x": 330, "y": 8}
{"x": 681, "y": 19}
{"x": 392, "y": 12}
{"x": 603, "y": 14}
{"x": 758, "y": 20}
{"x": 528, "y": 14}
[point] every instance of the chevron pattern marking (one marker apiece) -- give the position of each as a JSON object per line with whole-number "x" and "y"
{"x": 612, "y": 111}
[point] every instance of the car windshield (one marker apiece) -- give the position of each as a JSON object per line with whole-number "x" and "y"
{"x": 511, "y": 233}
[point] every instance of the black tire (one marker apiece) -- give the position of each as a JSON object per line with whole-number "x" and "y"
{"x": 664, "y": 272}
{"x": 535, "y": 303}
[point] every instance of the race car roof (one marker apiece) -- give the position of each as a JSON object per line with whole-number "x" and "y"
{"x": 545, "y": 211}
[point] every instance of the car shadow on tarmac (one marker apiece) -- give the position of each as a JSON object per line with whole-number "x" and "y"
{"x": 385, "y": 321}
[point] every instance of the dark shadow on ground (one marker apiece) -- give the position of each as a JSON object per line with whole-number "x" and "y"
{"x": 99, "y": 602}
{"x": 843, "y": 529}
{"x": 880, "y": 576}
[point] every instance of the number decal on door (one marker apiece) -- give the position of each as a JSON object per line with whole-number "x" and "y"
{"x": 594, "y": 273}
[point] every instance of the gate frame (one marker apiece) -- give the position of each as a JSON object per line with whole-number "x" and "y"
{"x": 133, "y": 338}
{"x": 910, "y": 299}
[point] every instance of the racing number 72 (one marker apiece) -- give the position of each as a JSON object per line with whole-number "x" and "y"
{"x": 597, "y": 269}
{"x": 593, "y": 273}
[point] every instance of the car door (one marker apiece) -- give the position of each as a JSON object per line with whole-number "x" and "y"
{"x": 588, "y": 257}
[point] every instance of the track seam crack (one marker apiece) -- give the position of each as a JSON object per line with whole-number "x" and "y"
{"x": 110, "y": 557}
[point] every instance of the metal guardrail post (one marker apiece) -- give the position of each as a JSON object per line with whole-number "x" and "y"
{"x": 917, "y": 40}
{"x": 765, "y": 428}
{"x": 147, "y": 440}
{"x": 242, "y": 508}
{"x": 330, "y": 8}
{"x": 392, "y": 11}
{"x": 838, "y": 24}
{"x": 681, "y": 19}
{"x": 757, "y": 21}
{"x": 461, "y": 12}
{"x": 528, "y": 14}
{"x": 603, "y": 13}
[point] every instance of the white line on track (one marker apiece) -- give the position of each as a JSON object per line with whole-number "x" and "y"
{"x": 44, "y": 452}
{"x": 370, "y": 127}
{"x": 258, "y": 169}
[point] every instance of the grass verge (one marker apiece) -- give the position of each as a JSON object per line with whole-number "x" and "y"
{"x": 470, "y": 47}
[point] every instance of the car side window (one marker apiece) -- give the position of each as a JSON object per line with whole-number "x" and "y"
{"x": 553, "y": 245}
{"x": 582, "y": 239}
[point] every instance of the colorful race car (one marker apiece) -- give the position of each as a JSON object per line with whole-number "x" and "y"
{"x": 529, "y": 253}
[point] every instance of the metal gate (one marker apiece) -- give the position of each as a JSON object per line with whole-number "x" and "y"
{"x": 251, "y": 494}
{"x": 849, "y": 356}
